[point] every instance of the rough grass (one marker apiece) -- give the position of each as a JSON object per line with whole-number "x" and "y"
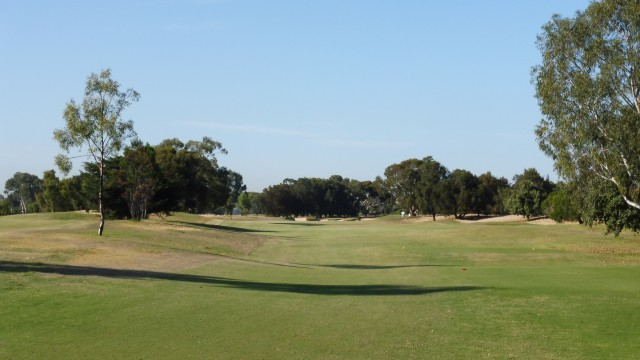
{"x": 205, "y": 287}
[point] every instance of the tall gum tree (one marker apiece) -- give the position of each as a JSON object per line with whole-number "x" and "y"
{"x": 96, "y": 125}
{"x": 588, "y": 89}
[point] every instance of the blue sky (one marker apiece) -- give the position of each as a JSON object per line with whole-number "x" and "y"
{"x": 290, "y": 88}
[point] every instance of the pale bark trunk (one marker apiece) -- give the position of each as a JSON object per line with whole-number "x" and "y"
{"x": 631, "y": 203}
{"x": 101, "y": 186}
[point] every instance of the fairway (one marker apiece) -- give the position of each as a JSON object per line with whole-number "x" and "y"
{"x": 202, "y": 287}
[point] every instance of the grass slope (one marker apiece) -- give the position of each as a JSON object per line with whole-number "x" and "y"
{"x": 203, "y": 287}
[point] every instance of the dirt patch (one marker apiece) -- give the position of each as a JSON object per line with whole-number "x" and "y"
{"x": 510, "y": 219}
{"x": 425, "y": 218}
{"x": 615, "y": 251}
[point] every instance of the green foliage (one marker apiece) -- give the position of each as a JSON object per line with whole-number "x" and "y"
{"x": 528, "y": 193}
{"x": 192, "y": 181}
{"x": 429, "y": 188}
{"x": 401, "y": 182}
{"x": 428, "y": 185}
{"x": 599, "y": 201}
{"x": 5, "y": 209}
{"x": 588, "y": 88}
{"x": 460, "y": 191}
{"x": 50, "y": 198}
{"x": 139, "y": 174}
{"x": 244, "y": 203}
{"x": 490, "y": 194}
{"x": 96, "y": 123}
{"x": 333, "y": 197}
{"x": 559, "y": 207}
{"x": 21, "y": 190}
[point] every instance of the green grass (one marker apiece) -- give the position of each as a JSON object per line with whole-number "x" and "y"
{"x": 201, "y": 288}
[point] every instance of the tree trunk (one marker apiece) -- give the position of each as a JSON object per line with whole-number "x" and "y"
{"x": 100, "y": 190}
{"x": 434, "y": 216}
{"x": 23, "y": 205}
{"x": 101, "y": 227}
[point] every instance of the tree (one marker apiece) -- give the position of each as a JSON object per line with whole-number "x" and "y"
{"x": 139, "y": 175}
{"x": 370, "y": 201}
{"x": 599, "y": 201}
{"x": 588, "y": 89}
{"x": 528, "y": 192}
{"x": 429, "y": 187}
{"x": 559, "y": 207}
{"x": 245, "y": 202}
{"x": 21, "y": 191}
{"x": 96, "y": 124}
{"x": 236, "y": 188}
{"x": 401, "y": 181}
{"x": 50, "y": 197}
{"x": 4, "y": 206}
{"x": 460, "y": 189}
{"x": 278, "y": 200}
{"x": 489, "y": 200}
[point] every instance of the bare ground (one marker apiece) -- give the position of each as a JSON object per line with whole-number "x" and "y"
{"x": 483, "y": 219}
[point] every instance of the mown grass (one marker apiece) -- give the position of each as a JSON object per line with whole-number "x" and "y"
{"x": 199, "y": 287}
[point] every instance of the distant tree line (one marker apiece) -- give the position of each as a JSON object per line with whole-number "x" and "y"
{"x": 315, "y": 197}
{"x": 171, "y": 176}
{"x": 176, "y": 176}
{"x": 413, "y": 186}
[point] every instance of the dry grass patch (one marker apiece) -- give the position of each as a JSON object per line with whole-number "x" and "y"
{"x": 177, "y": 243}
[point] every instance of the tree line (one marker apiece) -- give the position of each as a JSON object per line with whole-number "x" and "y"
{"x": 412, "y": 186}
{"x": 170, "y": 176}
{"x": 175, "y": 176}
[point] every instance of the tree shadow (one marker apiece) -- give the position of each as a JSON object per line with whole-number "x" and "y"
{"x": 371, "y": 267}
{"x": 313, "y": 289}
{"x": 299, "y": 223}
{"x": 301, "y": 266}
{"x": 222, "y": 227}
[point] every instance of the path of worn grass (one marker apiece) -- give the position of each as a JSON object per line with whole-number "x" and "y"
{"x": 195, "y": 287}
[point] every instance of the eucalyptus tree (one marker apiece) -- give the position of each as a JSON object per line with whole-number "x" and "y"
{"x": 97, "y": 125}
{"x": 528, "y": 193}
{"x": 588, "y": 89}
{"x": 21, "y": 190}
{"x": 50, "y": 197}
{"x": 429, "y": 188}
{"x": 402, "y": 180}
{"x": 460, "y": 191}
{"x": 139, "y": 175}
{"x": 191, "y": 179}
{"x": 489, "y": 194}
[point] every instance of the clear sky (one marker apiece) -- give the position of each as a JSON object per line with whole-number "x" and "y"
{"x": 290, "y": 88}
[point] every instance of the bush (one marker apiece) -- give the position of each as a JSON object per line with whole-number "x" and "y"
{"x": 558, "y": 206}
{"x": 4, "y": 208}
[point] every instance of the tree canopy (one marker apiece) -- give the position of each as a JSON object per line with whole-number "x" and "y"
{"x": 588, "y": 88}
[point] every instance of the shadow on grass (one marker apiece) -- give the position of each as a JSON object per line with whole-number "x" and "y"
{"x": 301, "y": 266}
{"x": 315, "y": 289}
{"x": 299, "y": 223}
{"x": 371, "y": 267}
{"x": 221, "y": 227}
